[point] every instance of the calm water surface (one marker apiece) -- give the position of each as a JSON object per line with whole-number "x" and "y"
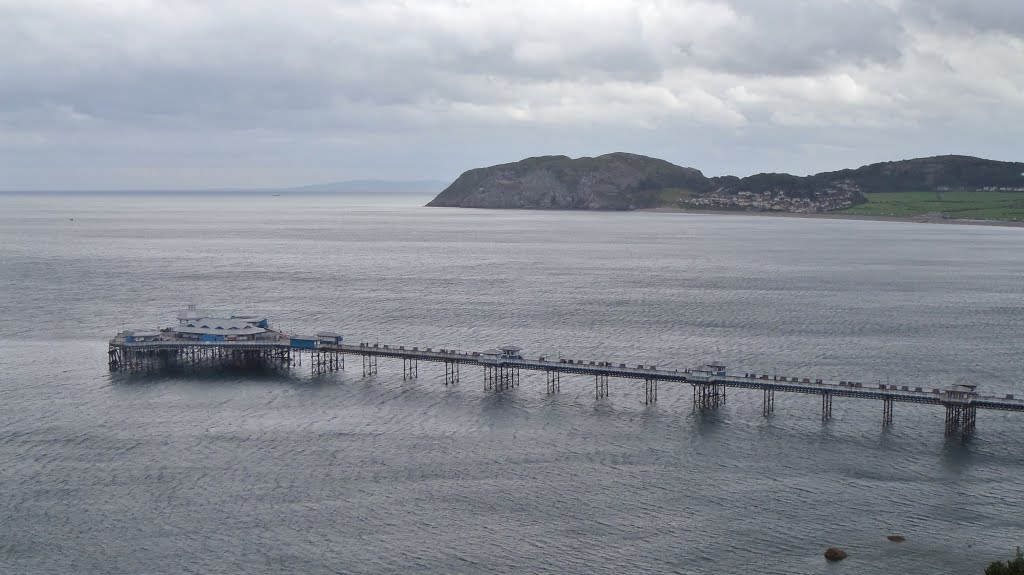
{"x": 287, "y": 473}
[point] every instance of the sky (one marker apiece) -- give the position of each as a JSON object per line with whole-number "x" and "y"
{"x": 186, "y": 94}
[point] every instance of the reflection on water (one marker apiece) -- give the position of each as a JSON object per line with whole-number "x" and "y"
{"x": 288, "y": 473}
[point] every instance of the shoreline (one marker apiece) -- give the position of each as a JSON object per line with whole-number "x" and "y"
{"x": 835, "y": 216}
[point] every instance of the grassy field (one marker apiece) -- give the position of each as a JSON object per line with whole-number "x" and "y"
{"x": 966, "y": 205}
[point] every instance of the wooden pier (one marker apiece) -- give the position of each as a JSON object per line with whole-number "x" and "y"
{"x": 502, "y": 367}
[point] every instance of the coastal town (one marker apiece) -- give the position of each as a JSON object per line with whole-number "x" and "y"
{"x": 836, "y": 197}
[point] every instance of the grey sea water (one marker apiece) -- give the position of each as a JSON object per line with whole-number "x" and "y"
{"x": 108, "y": 474}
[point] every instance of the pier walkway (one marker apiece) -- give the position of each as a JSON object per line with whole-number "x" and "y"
{"x": 501, "y": 370}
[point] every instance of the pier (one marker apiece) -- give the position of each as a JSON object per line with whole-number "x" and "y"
{"x": 249, "y": 342}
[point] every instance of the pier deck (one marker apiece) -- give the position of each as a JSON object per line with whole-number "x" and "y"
{"x": 501, "y": 370}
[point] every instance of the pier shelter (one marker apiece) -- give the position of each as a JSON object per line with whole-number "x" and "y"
{"x": 230, "y": 329}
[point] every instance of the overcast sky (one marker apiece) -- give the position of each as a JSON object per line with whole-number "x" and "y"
{"x": 210, "y": 93}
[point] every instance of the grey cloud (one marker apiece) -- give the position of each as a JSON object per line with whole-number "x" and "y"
{"x": 440, "y": 85}
{"x": 804, "y": 36}
{"x": 1006, "y": 16}
{"x": 232, "y": 62}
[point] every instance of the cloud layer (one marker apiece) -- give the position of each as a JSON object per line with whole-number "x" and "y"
{"x": 190, "y": 93}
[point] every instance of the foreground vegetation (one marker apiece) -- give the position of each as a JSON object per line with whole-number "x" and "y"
{"x": 1014, "y": 566}
{"x": 961, "y": 205}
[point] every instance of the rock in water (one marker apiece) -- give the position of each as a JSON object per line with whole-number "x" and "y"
{"x": 896, "y": 538}
{"x": 835, "y": 554}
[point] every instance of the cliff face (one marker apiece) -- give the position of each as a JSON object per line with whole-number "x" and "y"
{"x": 617, "y": 181}
{"x": 623, "y": 181}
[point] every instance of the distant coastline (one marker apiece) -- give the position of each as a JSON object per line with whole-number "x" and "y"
{"x": 840, "y": 216}
{"x": 937, "y": 188}
{"x": 342, "y": 187}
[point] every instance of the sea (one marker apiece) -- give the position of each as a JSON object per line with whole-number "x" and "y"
{"x": 291, "y": 473}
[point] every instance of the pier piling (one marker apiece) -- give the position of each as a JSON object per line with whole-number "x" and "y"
{"x": 325, "y": 361}
{"x": 451, "y": 372}
{"x": 369, "y": 365}
{"x": 769, "y": 402}
{"x": 410, "y": 368}
{"x": 500, "y": 377}
{"x": 600, "y": 386}
{"x": 960, "y": 416}
{"x": 707, "y": 396}
{"x": 554, "y": 381}
{"x": 650, "y": 391}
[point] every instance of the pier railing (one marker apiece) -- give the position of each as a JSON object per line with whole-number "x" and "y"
{"x": 503, "y": 372}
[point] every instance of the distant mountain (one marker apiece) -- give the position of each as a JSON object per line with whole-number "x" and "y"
{"x": 374, "y": 186}
{"x": 622, "y": 181}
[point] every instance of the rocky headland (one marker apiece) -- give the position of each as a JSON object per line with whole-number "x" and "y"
{"x": 622, "y": 181}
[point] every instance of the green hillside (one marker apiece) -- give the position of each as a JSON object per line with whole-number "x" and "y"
{"x": 960, "y": 205}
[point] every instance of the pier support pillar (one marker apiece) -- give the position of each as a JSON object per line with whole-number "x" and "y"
{"x": 451, "y": 372}
{"x": 769, "y": 402}
{"x": 887, "y": 405}
{"x": 500, "y": 377}
{"x": 600, "y": 386}
{"x": 324, "y": 361}
{"x": 554, "y": 381}
{"x": 410, "y": 368}
{"x": 509, "y": 376}
{"x": 115, "y": 358}
{"x": 826, "y": 406}
{"x": 369, "y": 365}
{"x": 970, "y": 416}
{"x": 960, "y": 417}
{"x": 650, "y": 391}
{"x": 707, "y": 396}
{"x": 953, "y": 414}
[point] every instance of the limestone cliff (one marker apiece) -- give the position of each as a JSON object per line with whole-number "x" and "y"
{"x": 616, "y": 181}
